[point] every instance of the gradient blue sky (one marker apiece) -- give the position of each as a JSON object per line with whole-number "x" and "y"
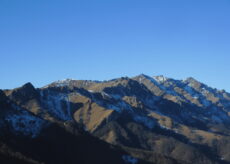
{"x": 46, "y": 40}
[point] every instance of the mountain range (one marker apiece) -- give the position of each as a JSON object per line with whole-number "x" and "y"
{"x": 135, "y": 120}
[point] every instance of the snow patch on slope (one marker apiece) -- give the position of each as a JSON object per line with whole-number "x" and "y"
{"x": 197, "y": 95}
{"x": 216, "y": 119}
{"x": 58, "y": 104}
{"x": 25, "y": 124}
{"x": 155, "y": 82}
{"x": 116, "y": 96}
{"x": 205, "y": 102}
{"x": 129, "y": 159}
{"x": 113, "y": 107}
{"x": 62, "y": 83}
{"x": 160, "y": 78}
{"x": 149, "y": 123}
{"x": 119, "y": 106}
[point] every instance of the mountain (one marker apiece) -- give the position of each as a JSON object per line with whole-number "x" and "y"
{"x": 134, "y": 120}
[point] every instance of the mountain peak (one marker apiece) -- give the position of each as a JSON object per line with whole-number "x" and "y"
{"x": 142, "y": 76}
{"x": 160, "y": 78}
{"x": 193, "y": 82}
{"x": 191, "y": 79}
{"x": 28, "y": 86}
{"x": 63, "y": 82}
{"x": 23, "y": 93}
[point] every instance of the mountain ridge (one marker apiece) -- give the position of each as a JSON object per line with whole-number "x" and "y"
{"x": 178, "y": 121}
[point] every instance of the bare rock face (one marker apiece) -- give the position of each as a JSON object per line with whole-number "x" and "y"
{"x": 126, "y": 120}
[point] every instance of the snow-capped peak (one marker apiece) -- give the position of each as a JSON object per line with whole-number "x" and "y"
{"x": 64, "y": 81}
{"x": 160, "y": 78}
{"x": 60, "y": 83}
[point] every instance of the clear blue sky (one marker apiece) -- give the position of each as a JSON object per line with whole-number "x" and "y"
{"x": 46, "y": 40}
